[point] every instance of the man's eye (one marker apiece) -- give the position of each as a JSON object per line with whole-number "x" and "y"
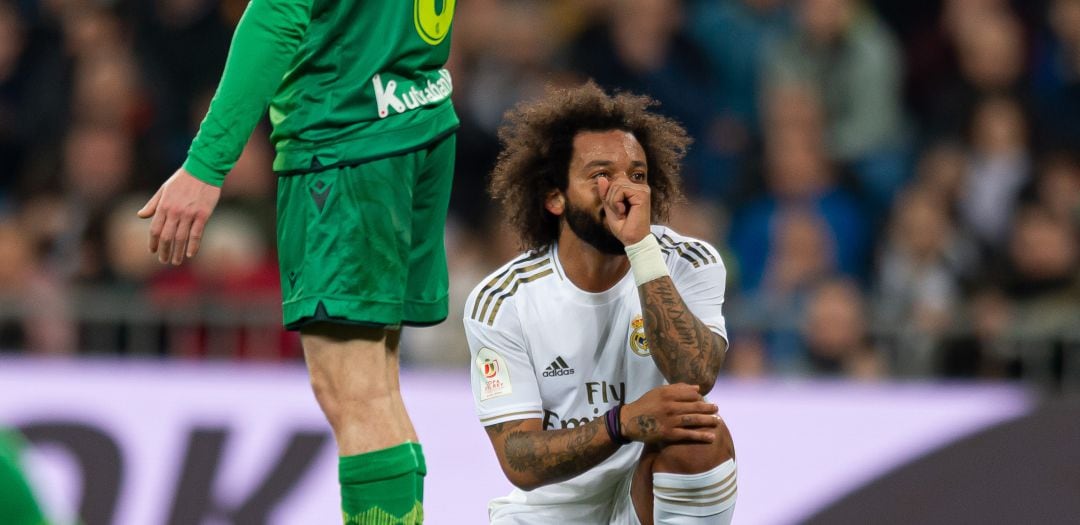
{"x": 638, "y": 177}
{"x": 599, "y": 174}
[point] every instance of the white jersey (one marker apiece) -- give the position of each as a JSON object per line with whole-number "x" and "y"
{"x": 543, "y": 348}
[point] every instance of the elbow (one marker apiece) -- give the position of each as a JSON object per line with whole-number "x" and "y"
{"x": 522, "y": 481}
{"x": 705, "y": 385}
{"x": 527, "y": 486}
{"x": 708, "y": 377}
{"x": 712, "y": 372}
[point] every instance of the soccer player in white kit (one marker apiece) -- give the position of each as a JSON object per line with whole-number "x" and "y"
{"x": 593, "y": 350}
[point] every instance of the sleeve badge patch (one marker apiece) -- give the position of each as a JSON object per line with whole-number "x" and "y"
{"x": 494, "y": 374}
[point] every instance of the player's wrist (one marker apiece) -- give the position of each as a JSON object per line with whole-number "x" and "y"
{"x": 613, "y": 424}
{"x": 646, "y": 260}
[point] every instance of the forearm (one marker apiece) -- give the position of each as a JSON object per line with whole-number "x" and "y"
{"x": 534, "y": 458}
{"x": 262, "y": 49}
{"x": 683, "y": 348}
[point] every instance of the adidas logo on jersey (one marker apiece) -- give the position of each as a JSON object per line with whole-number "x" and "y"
{"x": 558, "y": 367}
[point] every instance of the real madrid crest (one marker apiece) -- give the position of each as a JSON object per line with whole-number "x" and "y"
{"x": 638, "y": 343}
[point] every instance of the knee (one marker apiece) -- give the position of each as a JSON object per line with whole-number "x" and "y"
{"x": 344, "y": 401}
{"x": 694, "y": 458}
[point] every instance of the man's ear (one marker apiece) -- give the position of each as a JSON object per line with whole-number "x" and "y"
{"x": 555, "y": 203}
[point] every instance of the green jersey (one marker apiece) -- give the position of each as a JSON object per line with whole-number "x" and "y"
{"x": 345, "y": 81}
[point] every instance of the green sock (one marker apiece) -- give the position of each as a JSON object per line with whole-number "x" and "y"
{"x": 384, "y": 487}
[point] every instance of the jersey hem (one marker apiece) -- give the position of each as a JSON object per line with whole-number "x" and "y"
{"x": 357, "y": 149}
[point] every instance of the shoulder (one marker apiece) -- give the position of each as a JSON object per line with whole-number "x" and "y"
{"x": 495, "y": 292}
{"x": 680, "y": 249}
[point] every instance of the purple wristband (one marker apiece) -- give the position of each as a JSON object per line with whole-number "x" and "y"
{"x": 614, "y": 426}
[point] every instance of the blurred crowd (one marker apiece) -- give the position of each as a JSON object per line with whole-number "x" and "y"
{"x": 895, "y": 184}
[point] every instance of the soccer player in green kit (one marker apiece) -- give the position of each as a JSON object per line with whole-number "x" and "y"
{"x": 17, "y": 503}
{"x": 364, "y": 133}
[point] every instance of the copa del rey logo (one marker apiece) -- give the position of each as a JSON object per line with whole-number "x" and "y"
{"x": 491, "y": 369}
{"x": 495, "y": 376}
{"x": 387, "y": 96}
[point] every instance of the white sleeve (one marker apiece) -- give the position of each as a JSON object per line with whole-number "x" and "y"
{"x": 701, "y": 280}
{"x": 502, "y": 375}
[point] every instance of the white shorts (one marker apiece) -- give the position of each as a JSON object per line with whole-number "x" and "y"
{"x": 623, "y": 512}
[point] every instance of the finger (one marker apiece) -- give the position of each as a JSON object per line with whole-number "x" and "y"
{"x": 150, "y": 207}
{"x": 696, "y": 407}
{"x": 695, "y": 436}
{"x": 602, "y": 186}
{"x": 698, "y": 420}
{"x": 685, "y": 392}
{"x": 196, "y": 236}
{"x": 156, "y": 227}
{"x": 616, "y": 200}
{"x": 168, "y": 234}
{"x": 183, "y": 228}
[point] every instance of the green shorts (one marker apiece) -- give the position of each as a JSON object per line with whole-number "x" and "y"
{"x": 363, "y": 244}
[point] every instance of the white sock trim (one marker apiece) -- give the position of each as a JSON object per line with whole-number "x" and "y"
{"x": 697, "y": 495}
{"x": 646, "y": 260}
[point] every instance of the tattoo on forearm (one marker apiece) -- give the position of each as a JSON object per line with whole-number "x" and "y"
{"x": 683, "y": 348}
{"x": 554, "y": 455}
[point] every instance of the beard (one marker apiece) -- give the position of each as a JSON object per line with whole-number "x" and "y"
{"x": 592, "y": 231}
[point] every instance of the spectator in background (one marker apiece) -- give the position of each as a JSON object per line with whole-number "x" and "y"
{"x": 130, "y": 268}
{"x": 1057, "y": 188}
{"x": 641, "y": 48}
{"x": 503, "y": 53}
{"x": 941, "y": 171}
{"x": 1057, "y": 75}
{"x": 97, "y": 169}
{"x": 1044, "y": 277}
{"x": 234, "y": 282}
{"x": 990, "y": 45}
{"x": 802, "y": 255}
{"x": 983, "y": 346}
{"x": 835, "y": 334}
{"x": 998, "y": 167}
{"x": 933, "y": 61}
{"x": 180, "y": 47}
{"x": 41, "y": 322}
{"x": 799, "y": 177}
{"x": 917, "y": 286}
{"x": 851, "y": 60}
{"x": 732, "y": 34}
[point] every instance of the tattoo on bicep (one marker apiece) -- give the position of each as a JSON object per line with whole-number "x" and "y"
{"x": 499, "y": 428}
{"x": 682, "y": 346}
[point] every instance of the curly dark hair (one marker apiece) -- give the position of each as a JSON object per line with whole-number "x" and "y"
{"x": 538, "y": 141}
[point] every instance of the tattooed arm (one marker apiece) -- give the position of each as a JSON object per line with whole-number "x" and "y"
{"x": 532, "y": 457}
{"x": 683, "y": 348}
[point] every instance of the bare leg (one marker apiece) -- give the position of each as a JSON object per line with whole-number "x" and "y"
{"x": 353, "y": 372}
{"x": 692, "y": 458}
{"x": 393, "y": 377}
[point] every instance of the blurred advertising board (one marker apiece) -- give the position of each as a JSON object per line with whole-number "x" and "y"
{"x": 141, "y": 442}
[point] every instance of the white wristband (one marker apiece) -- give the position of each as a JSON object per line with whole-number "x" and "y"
{"x": 646, "y": 260}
